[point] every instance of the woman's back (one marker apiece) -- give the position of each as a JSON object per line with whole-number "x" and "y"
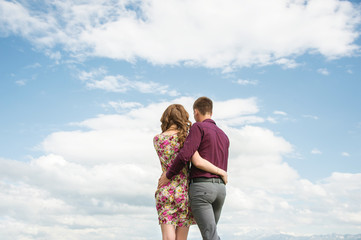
{"x": 172, "y": 199}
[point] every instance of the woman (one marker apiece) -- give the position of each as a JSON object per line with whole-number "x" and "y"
{"x": 172, "y": 203}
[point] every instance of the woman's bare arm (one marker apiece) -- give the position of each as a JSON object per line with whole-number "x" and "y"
{"x": 207, "y": 166}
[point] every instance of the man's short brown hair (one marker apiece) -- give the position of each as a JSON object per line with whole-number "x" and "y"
{"x": 204, "y": 105}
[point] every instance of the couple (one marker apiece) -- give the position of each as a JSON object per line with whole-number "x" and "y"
{"x": 206, "y": 146}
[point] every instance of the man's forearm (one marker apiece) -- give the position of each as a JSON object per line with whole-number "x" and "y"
{"x": 177, "y": 166}
{"x": 190, "y": 146}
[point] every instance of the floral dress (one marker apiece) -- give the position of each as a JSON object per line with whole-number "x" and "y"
{"x": 172, "y": 199}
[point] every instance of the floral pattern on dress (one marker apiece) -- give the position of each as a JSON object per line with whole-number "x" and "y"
{"x": 172, "y": 200}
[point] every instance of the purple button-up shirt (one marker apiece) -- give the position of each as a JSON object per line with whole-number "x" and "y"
{"x": 212, "y": 144}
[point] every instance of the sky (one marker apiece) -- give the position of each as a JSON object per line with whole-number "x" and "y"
{"x": 83, "y": 85}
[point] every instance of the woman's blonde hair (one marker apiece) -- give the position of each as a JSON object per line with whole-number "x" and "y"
{"x": 175, "y": 114}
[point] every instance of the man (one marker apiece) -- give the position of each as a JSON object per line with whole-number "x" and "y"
{"x": 207, "y": 191}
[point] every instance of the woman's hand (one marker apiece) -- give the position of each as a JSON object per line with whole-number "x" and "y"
{"x": 223, "y": 175}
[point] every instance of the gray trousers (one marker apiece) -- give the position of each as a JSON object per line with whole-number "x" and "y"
{"x": 206, "y": 199}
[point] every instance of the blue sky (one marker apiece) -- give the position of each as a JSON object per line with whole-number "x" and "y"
{"x": 83, "y": 86}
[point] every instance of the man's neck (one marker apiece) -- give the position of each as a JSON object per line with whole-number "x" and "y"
{"x": 204, "y": 117}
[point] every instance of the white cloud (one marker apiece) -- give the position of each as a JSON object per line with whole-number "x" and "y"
{"x": 16, "y": 18}
{"x": 256, "y": 156}
{"x": 345, "y": 154}
{"x": 311, "y": 116}
{"x": 316, "y": 151}
{"x": 287, "y": 63}
{"x": 271, "y": 120}
{"x": 236, "y": 112}
{"x": 120, "y": 106}
{"x": 98, "y": 182}
{"x": 54, "y": 55}
{"x": 35, "y": 65}
{"x": 98, "y": 79}
{"x": 239, "y": 121}
{"x": 21, "y": 82}
{"x": 246, "y": 82}
{"x": 323, "y": 71}
{"x": 187, "y": 32}
{"x": 235, "y": 108}
{"x": 279, "y": 113}
{"x": 116, "y": 83}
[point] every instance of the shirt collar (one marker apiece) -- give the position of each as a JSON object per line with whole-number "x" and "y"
{"x": 209, "y": 120}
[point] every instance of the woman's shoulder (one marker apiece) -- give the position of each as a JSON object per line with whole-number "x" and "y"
{"x": 165, "y": 136}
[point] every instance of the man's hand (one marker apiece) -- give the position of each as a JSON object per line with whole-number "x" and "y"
{"x": 163, "y": 180}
